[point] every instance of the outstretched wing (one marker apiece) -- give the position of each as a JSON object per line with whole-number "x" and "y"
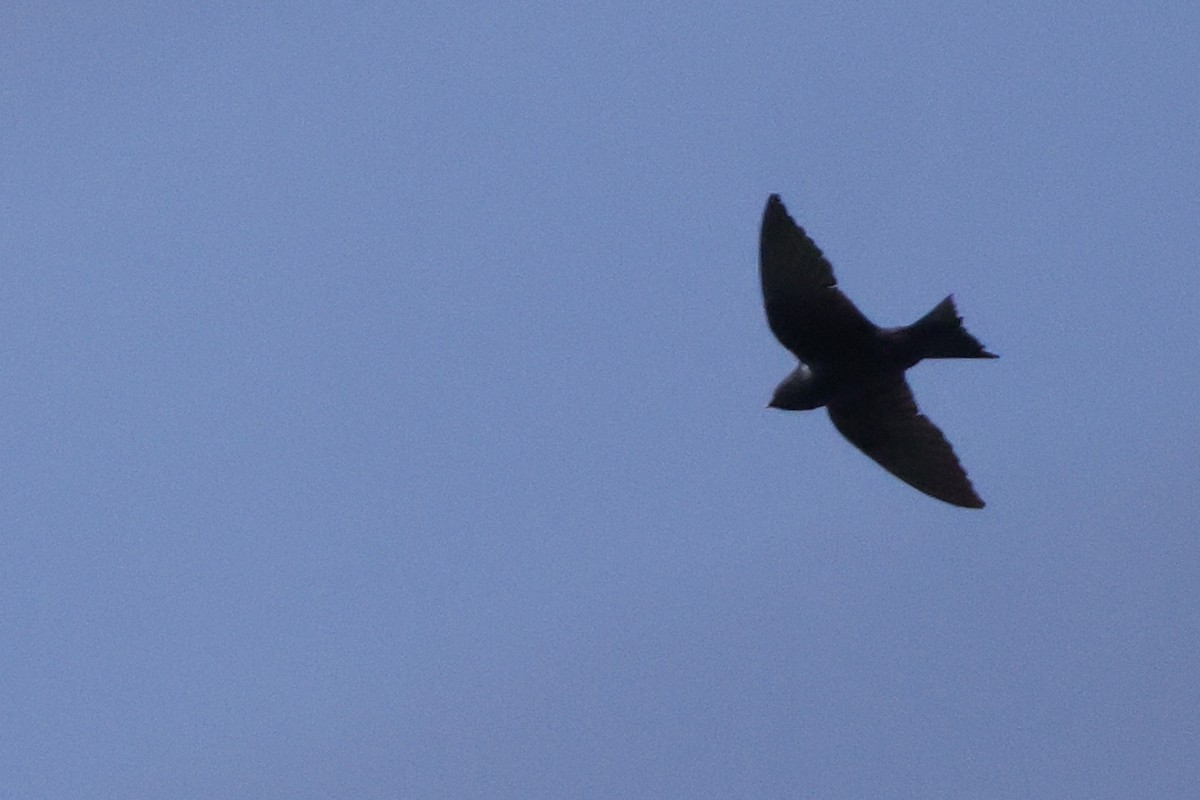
{"x": 888, "y": 427}
{"x": 805, "y": 309}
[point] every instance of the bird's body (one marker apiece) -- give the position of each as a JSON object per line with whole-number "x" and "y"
{"x": 855, "y": 368}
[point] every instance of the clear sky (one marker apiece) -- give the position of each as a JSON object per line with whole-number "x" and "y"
{"x": 384, "y": 392}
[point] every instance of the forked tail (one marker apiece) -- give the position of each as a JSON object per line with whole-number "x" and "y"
{"x": 940, "y": 334}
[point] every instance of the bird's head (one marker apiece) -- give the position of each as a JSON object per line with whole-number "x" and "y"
{"x": 800, "y": 391}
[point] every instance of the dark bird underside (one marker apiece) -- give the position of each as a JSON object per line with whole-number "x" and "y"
{"x": 856, "y": 369}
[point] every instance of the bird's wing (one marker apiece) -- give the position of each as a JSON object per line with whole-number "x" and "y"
{"x": 888, "y": 427}
{"x": 805, "y": 309}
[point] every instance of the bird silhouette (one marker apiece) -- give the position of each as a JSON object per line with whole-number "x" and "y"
{"x": 856, "y": 369}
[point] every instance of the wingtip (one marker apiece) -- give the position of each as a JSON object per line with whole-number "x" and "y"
{"x": 972, "y": 500}
{"x": 776, "y": 215}
{"x": 968, "y": 498}
{"x": 774, "y": 206}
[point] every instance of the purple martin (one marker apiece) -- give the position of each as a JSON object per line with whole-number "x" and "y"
{"x": 855, "y": 368}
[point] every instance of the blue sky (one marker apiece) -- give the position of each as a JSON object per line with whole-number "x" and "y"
{"x": 384, "y": 393}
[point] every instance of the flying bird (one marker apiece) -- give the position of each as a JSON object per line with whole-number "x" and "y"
{"x": 856, "y": 369}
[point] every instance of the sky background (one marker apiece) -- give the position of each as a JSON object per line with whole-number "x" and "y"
{"x": 383, "y": 395}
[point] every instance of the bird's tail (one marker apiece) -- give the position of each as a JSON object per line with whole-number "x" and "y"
{"x": 940, "y": 334}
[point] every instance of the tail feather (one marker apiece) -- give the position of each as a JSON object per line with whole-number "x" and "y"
{"x": 940, "y": 334}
